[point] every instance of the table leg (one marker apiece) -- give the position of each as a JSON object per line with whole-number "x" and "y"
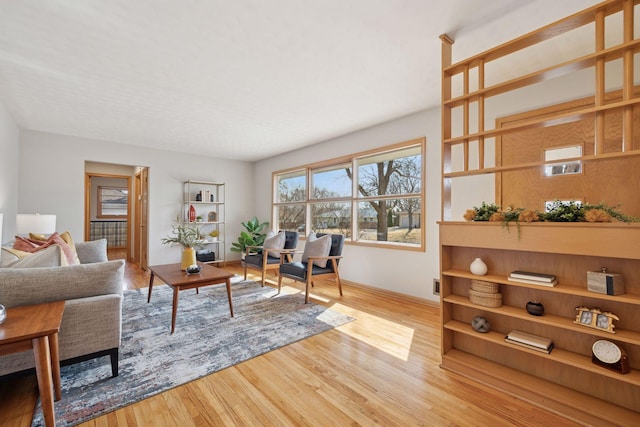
{"x": 150, "y": 286}
{"x": 55, "y": 365}
{"x": 176, "y": 291}
{"x": 43, "y": 373}
{"x": 228, "y": 281}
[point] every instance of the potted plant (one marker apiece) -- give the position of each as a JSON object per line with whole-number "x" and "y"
{"x": 187, "y": 236}
{"x": 253, "y": 236}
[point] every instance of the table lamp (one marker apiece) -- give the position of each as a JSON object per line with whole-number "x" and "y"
{"x": 35, "y": 223}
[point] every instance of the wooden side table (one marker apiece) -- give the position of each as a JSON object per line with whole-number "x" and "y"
{"x": 36, "y": 327}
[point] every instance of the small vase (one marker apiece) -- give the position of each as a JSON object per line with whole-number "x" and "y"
{"x": 188, "y": 258}
{"x": 192, "y": 214}
{"x": 478, "y": 267}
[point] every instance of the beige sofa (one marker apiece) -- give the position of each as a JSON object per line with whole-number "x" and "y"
{"x": 92, "y": 321}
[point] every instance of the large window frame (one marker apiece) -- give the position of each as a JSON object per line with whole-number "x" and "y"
{"x": 347, "y": 208}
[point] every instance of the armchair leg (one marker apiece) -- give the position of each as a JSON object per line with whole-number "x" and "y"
{"x": 279, "y": 283}
{"x": 262, "y": 282}
{"x": 306, "y": 290}
{"x": 245, "y": 270}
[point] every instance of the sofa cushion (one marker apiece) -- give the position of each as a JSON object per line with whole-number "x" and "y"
{"x": 317, "y": 247}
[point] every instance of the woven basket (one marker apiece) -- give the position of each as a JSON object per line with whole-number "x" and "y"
{"x": 485, "y": 299}
{"x": 486, "y": 287}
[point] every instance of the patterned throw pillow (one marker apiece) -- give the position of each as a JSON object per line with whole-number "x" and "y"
{"x": 317, "y": 246}
{"x": 274, "y": 241}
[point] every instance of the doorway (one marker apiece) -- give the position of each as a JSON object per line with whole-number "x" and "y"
{"x": 116, "y": 199}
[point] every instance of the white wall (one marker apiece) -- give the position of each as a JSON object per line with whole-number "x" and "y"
{"x": 9, "y": 137}
{"x": 51, "y": 180}
{"x": 406, "y": 272}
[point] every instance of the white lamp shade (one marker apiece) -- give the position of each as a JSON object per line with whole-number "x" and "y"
{"x": 35, "y": 223}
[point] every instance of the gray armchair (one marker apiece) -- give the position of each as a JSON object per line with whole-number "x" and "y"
{"x": 259, "y": 258}
{"x": 306, "y": 272}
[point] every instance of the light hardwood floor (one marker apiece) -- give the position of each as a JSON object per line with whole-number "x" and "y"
{"x": 382, "y": 369}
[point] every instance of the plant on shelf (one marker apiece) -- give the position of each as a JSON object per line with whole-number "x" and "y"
{"x": 253, "y": 236}
{"x": 187, "y": 236}
{"x": 559, "y": 211}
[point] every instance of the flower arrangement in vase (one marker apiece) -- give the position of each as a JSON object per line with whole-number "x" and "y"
{"x": 187, "y": 236}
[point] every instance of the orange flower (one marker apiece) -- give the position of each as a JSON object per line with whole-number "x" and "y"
{"x": 597, "y": 215}
{"x": 470, "y": 214}
{"x": 528, "y": 216}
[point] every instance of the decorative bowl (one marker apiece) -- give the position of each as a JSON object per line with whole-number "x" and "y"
{"x": 193, "y": 269}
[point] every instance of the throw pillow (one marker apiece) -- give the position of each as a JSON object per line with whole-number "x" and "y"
{"x": 25, "y": 245}
{"x": 317, "y": 247}
{"x": 274, "y": 241}
{"x": 51, "y": 256}
{"x": 36, "y": 236}
{"x": 8, "y": 256}
{"x": 66, "y": 236}
{"x": 28, "y": 245}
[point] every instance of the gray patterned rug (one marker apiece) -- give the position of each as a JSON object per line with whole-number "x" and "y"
{"x": 206, "y": 340}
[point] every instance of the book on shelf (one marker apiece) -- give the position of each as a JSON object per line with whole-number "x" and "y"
{"x": 533, "y": 282}
{"x": 533, "y": 342}
{"x": 541, "y": 277}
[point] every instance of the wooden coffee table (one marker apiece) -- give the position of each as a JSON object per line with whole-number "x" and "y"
{"x": 172, "y": 275}
{"x": 36, "y": 327}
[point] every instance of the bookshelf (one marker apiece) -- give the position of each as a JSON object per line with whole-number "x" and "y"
{"x": 565, "y": 380}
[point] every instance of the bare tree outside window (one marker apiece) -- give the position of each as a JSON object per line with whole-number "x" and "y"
{"x": 375, "y": 197}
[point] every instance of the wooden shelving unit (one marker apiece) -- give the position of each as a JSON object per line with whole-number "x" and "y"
{"x": 564, "y": 381}
{"x": 203, "y": 208}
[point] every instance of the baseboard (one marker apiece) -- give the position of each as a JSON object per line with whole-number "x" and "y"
{"x": 391, "y": 294}
{"x": 369, "y": 288}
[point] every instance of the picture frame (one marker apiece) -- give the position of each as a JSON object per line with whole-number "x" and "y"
{"x": 595, "y": 318}
{"x": 212, "y": 217}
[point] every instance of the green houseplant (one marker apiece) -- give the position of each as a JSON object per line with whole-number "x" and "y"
{"x": 253, "y": 236}
{"x": 187, "y": 236}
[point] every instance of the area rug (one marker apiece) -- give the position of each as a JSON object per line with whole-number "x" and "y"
{"x": 206, "y": 340}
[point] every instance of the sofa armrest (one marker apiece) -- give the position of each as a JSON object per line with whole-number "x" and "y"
{"x": 26, "y": 286}
{"x": 92, "y": 251}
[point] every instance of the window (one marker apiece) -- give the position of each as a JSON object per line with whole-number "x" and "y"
{"x": 374, "y": 198}
{"x": 291, "y": 195}
{"x": 112, "y": 202}
{"x": 567, "y": 167}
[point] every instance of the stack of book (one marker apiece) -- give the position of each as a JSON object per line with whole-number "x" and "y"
{"x": 533, "y": 342}
{"x": 533, "y": 278}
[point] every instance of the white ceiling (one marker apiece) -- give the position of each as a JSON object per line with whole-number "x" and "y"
{"x": 239, "y": 79}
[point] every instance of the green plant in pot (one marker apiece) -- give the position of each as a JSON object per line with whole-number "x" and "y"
{"x": 253, "y": 236}
{"x": 187, "y": 236}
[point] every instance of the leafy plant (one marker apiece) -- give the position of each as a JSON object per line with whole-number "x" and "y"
{"x": 559, "y": 211}
{"x": 253, "y": 236}
{"x": 186, "y": 235}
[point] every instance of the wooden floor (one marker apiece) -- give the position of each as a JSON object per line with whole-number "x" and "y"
{"x": 382, "y": 370}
